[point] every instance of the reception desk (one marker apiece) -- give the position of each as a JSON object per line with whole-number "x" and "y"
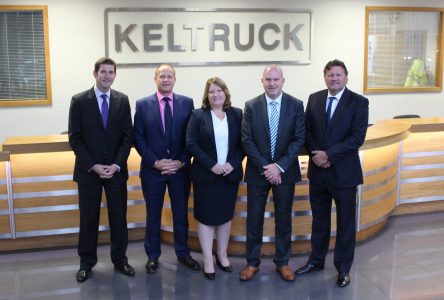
{"x": 403, "y": 163}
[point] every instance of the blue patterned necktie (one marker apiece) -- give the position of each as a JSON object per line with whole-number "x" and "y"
{"x": 328, "y": 112}
{"x": 273, "y": 123}
{"x": 104, "y": 110}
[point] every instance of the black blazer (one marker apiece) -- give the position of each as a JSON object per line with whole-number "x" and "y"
{"x": 341, "y": 140}
{"x": 256, "y": 139}
{"x": 201, "y": 144}
{"x": 92, "y": 143}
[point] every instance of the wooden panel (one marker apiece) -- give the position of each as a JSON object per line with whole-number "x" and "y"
{"x": 390, "y": 187}
{"x": 426, "y": 141}
{"x": 4, "y": 224}
{"x": 406, "y": 174}
{"x": 380, "y": 157}
{"x": 422, "y": 189}
{"x": 42, "y": 164}
{"x": 413, "y": 161}
{"x": 377, "y": 210}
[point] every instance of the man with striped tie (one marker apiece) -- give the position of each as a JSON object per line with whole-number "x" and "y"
{"x": 272, "y": 136}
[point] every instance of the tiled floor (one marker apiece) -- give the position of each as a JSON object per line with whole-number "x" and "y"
{"x": 404, "y": 261}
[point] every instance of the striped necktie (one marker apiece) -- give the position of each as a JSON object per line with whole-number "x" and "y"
{"x": 273, "y": 123}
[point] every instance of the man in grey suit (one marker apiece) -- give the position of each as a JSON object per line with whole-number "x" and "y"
{"x": 336, "y": 124}
{"x": 272, "y": 137}
{"x": 100, "y": 134}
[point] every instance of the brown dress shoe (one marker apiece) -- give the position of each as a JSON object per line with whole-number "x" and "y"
{"x": 247, "y": 273}
{"x": 286, "y": 273}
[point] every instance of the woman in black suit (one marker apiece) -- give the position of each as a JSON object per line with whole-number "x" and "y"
{"x": 213, "y": 138}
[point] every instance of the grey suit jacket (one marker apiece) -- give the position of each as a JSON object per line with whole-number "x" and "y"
{"x": 256, "y": 139}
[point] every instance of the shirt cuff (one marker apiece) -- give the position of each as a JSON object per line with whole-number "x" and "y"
{"x": 282, "y": 170}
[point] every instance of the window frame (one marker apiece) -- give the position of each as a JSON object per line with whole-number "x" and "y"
{"x": 439, "y": 57}
{"x": 34, "y": 102}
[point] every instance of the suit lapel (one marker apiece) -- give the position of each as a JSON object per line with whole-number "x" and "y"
{"x": 264, "y": 116}
{"x": 231, "y": 120}
{"x": 114, "y": 103}
{"x": 93, "y": 104}
{"x": 339, "y": 108}
{"x": 208, "y": 122}
{"x": 321, "y": 105}
{"x": 154, "y": 103}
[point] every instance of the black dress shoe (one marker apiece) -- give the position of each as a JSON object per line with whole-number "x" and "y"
{"x": 82, "y": 275}
{"x": 151, "y": 266}
{"x": 343, "y": 279}
{"x": 125, "y": 269}
{"x": 189, "y": 262}
{"x": 209, "y": 276}
{"x": 223, "y": 268}
{"x": 308, "y": 268}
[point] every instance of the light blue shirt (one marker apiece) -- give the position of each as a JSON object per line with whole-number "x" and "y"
{"x": 99, "y": 98}
{"x": 278, "y": 105}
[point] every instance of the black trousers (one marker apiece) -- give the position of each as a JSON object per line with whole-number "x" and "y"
{"x": 90, "y": 198}
{"x": 283, "y": 196}
{"x": 321, "y": 196}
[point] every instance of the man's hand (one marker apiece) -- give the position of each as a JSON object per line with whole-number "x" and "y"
{"x": 167, "y": 166}
{"x": 273, "y": 174}
{"x": 110, "y": 170}
{"x": 102, "y": 171}
{"x": 320, "y": 158}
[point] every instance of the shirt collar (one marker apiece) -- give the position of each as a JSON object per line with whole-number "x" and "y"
{"x": 278, "y": 99}
{"x": 160, "y": 96}
{"x": 338, "y": 95}
{"x": 99, "y": 93}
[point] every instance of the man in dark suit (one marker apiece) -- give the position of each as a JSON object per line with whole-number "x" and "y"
{"x": 272, "y": 137}
{"x": 336, "y": 122}
{"x": 160, "y": 125}
{"x": 100, "y": 134}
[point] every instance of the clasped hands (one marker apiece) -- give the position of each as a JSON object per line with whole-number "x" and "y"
{"x": 273, "y": 174}
{"x": 224, "y": 169}
{"x": 104, "y": 171}
{"x": 320, "y": 158}
{"x": 167, "y": 166}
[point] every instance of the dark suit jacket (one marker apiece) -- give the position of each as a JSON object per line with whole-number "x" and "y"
{"x": 92, "y": 143}
{"x": 149, "y": 138}
{"x": 202, "y": 145}
{"x": 341, "y": 140}
{"x": 256, "y": 139}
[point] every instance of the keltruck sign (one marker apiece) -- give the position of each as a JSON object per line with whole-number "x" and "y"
{"x": 148, "y": 36}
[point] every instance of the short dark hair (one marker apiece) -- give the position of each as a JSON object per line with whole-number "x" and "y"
{"x": 220, "y": 83}
{"x": 104, "y": 61}
{"x": 335, "y": 63}
{"x": 162, "y": 65}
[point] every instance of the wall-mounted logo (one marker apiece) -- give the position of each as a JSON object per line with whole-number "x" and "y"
{"x": 148, "y": 36}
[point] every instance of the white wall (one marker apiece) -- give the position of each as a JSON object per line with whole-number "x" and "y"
{"x": 76, "y": 30}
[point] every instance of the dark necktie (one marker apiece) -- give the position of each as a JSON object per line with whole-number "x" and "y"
{"x": 328, "y": 113}
{"x": 104, "y": 110}
{"x": 168, "y": 118}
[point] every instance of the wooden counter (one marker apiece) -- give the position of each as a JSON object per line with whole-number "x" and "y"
{"x": 403, "y": 164}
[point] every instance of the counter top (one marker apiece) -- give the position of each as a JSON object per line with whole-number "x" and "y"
{"x": 384, "y": 132}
